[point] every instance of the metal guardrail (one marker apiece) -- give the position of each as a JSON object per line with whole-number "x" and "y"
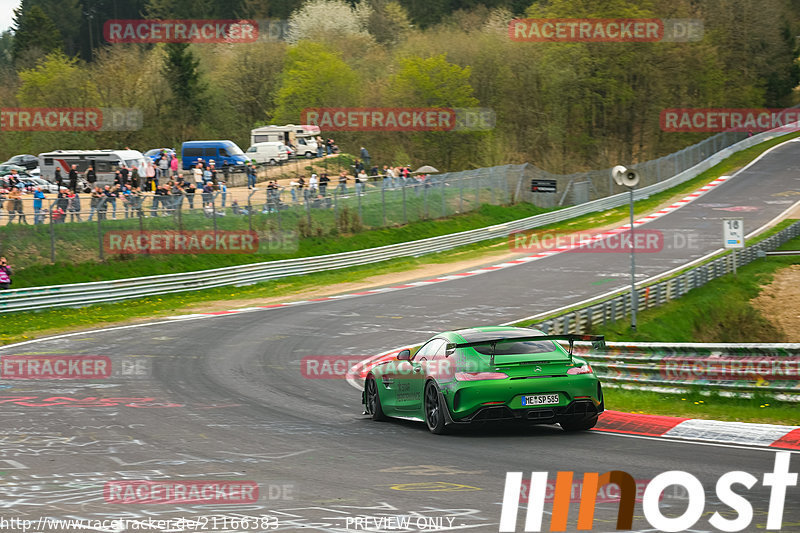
{"x": 82, "y": 294}
{"x": 618, "y": 307}
{"x": 736, "y": 368}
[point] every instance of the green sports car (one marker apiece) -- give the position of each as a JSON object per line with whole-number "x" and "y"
{"x": 488, "y": 374}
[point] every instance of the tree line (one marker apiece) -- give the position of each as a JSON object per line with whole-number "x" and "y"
{"x": 565, "y": 107}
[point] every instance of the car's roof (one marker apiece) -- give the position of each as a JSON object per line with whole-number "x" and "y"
{"x": 488, "y": 333}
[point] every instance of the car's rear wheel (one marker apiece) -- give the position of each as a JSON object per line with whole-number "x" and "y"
{"x": 373, "y": 399}
{"x": 579, "y": 425}
{"x": 434, "y": 414}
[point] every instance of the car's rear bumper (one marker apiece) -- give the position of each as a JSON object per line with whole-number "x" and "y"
{"x": 576, "y": 410}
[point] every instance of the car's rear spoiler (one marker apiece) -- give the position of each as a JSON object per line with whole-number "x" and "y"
{"x": 598, "y": 341}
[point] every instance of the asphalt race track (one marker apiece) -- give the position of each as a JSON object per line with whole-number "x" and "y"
{"x": 223, "y": 398}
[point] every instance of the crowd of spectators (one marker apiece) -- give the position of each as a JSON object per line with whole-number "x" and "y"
{"x": 165, "y": 188}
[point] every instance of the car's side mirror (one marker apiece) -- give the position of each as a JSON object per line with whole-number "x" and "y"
{"x": 404, "y": 355}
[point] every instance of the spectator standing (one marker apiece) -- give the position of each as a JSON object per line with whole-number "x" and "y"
{"x": 208, "y": 193}
{"x": 190, "y": 190}
{"x": 163, "y": 166}
{"x": 5, "y": 274}
{"x": 124, "y": 174}
{"x": 135, "y": 178}
{"x": 197, "y": 174}
{"x": 293, "y": 190}
{"x": 365, "y": 156}
{"x": 74, "y": 206}
{"x": 212, "y": 167}
{"x": 313, "y": 183}
{"x": 73, "y": 178}
{"x": 38, "y": 198}
{"x": 223, "y": 188}
{"x": 324, "y": 180}
{"x": 251, "y": 176}
{"x": 112, "y": 199}
{"x": 59, "y": 179}
{"x": 361, "y": 181}
{"x": 388, "y": 177}
{"x": 14, "y": 205}
{"x": 94, "y": 202}
{"x": 343, "y": 182}
{"x": 358, "y": 166}
{"x": 329, "y": 146}
{"x": 150, "y": 174}
{"x": 91, "y": 175}
{"x": 320, "y": 146}
{"x": 173, "y": 166}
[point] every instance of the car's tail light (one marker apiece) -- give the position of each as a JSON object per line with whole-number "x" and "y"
{"x": 583, "y": 369}
{"x": 477, "y": 376}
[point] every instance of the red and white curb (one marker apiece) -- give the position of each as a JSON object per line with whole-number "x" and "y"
{"x": 694, "y": 429}
{"x": 441, "y": 279}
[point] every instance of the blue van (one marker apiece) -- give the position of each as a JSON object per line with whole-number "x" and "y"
{"x": 224, "y": 153}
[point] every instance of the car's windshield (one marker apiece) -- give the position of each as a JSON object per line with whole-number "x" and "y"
{"x": 513, "y": 348}
{"x": 235, "y": 150}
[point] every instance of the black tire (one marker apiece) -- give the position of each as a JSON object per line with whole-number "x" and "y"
{"x": 434, "y": 416}
{"x": 373, "y": 399}
{"x": 273, "y": 162}
{"x": 579, "y": 425}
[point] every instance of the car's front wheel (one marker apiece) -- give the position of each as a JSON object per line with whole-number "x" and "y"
{"x": 434, "y": 414}
{"x": 579, "y": 425}
{"x": 373, "y": 399}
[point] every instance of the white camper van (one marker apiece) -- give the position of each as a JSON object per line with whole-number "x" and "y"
{"x": 273, "y": 153}
{"x": 300, "y": 138}
{"x": 105, "y": 162}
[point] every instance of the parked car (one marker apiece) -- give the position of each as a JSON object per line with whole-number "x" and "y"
{"x": 6, "y": 168}
{"x": 272, "y": 153}
{"x": 223, "y": 153}
{"x": 155, "y": 153}
{"x": 27, "y": 161}
{"x": 39, "y": 182}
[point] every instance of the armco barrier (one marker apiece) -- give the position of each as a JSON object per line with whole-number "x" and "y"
{"x": 735, "y": 368}
{"x": 82, "y": 294}
{"x": 618, "y": 307}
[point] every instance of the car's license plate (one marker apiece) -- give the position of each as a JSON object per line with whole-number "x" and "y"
{"x": 540, "y": 399}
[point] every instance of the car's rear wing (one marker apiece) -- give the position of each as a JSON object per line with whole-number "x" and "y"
{"x": 598, "y": 341}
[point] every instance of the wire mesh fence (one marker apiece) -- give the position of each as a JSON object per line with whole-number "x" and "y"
{"x": 577, "y": 188}
{"x": 76, "y": 228}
